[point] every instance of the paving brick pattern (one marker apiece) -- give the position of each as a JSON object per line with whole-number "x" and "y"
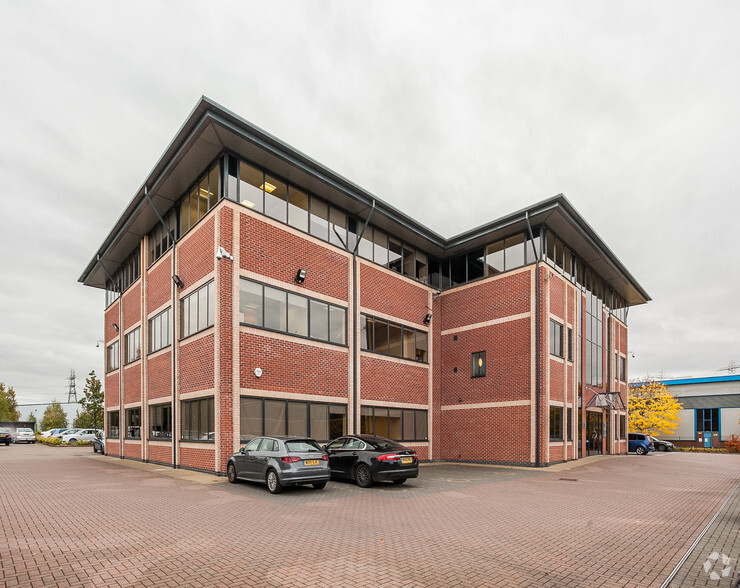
{"x": 70, "y": 518}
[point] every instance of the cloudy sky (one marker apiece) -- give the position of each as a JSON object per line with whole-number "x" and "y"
{"x": 455, "y": 113}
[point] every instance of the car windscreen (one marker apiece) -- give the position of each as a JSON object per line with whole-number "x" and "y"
{"x": 303, "y": 446}
{"x": 385, "y": 444}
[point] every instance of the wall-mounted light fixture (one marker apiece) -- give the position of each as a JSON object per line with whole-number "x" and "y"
{"x": 178, "y": 282}
{"x": 115, "y": 327}
{"x": 437, "y": 294}
{"x": 300, "y": 277}
{"x": 98, "y": 342}
{"x": 427, "y": 319}
{"x": 221, "y": 253}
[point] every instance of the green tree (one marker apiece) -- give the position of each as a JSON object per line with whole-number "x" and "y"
{"x": 652, "y": 409}
{"x": 32, "y": 419}
{"x": 54, "y": 417}
{"x": 8, "y": 404}
{"x": 92, "y": 404}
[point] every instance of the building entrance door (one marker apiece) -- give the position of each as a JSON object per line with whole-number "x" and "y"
{"x": 594, "y": 434}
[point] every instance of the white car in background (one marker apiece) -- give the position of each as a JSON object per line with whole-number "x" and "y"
{"x": 78, "y": 435}
{"x": 24, "y": 435}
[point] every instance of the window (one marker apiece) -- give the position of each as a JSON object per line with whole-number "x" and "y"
{"x": 556, "y": 423}
{"x": 113, "y": 424}
{"x": 298, "y": 209}
{"x": 133, "y": 423}
{"x": 160, "y": 238}
{"x": 160, "y": 422}
{"x": 133, "y": 345}
{"x": 556, "y": 338}
{"x": 197, "y": 421}
{"x": 200, "y": 199}
{"x": 319, "y": 219}
{"x": 267, "y": 416}
{"x": 251, "y": 181}
{"x": 197, "y": 310}
{"x": 569, "y": 421}
{"x": 159, "y": 331}
{"x": 389, "y": 338}
{"x": 622, "y": 426}
{"x": 707, "y": 420}
{"x": 623, "y": 369}
{"x": 277, "y": 310}
{"x": 113, "y": 357}
{"x": 478, "y": 363}
{"x": 399, "y": 424}
{"x": 570, "y": 344}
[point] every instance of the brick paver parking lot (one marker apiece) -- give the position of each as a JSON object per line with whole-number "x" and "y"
{"x": 70, "y": 518}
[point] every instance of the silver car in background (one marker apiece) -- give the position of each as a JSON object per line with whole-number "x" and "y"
{"x": 280, "y": 461}
{"x": 24, "y": 435}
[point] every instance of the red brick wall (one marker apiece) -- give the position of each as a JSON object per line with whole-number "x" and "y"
{"x": 556, "y": 453}
{"x": 392, "y": 381}
{"x": 391, "y": 294}
{"x": 226, "y": 332}
{"x": 160, "y": 453}
{"x": 278, "y": 253}
{"x": 196, "y": 364}
{"x": 159, "y": 375}
{"x": 131, "y": 306}
{"x": 292, "y": 366}
{"x": 132, "y": 383}
{"x": 111, "y": 389}
{"x": 199, "y": 458}
{"x": 499, "y": 434}
{"x": 111, "y": 316}
{"x": 159, "y": 282}
{"x": 132, "y": 450}
{"x": 196, "y": 254}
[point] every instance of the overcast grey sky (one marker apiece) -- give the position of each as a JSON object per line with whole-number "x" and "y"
{"x": 455, "y": 113}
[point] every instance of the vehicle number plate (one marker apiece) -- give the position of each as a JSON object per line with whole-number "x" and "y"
{"x": 407, "y": 459}
{"x": 311, "y": 462}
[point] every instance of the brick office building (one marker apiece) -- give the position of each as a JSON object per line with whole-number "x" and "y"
{"x": 251, "y": 290}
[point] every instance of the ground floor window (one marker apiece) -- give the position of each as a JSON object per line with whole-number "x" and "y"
{"x": 556, "y": 423}
{"x": 160, "y": 421}
{"x": 707, "y": 420}
{"x": 133, "y": 423}
{"x": 269, "y": 416}
{"x": 399, "y": 424}
{"x": 113, "y": 424}
{"x": 197, "y": 421}
{"x": 569, "y": 416}
{"x": 622, "y": 426}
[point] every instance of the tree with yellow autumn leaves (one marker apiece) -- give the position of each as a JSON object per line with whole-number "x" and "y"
{"x": 652, "y": 409}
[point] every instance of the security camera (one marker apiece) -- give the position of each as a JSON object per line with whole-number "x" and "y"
{"x": 218, "y": 254}
{"x": 221, "y": 253}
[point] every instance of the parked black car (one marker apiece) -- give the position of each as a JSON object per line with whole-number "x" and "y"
{"x": 369, "y": 458}
{"x": 662, "y": 445}
{"x": 280, "y": 461}
{"x": 5, "y": 436}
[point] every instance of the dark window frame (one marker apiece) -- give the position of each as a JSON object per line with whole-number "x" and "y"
{"x": 133, "y": 423}
{"x": 405, "y": 413}
{"x": 210, "y": 428}
{"x": 477, "y": 368}
{"x": 310, "y": 407}
{"x": 160, "y": 412}
{"x": 114, "y": 424}
{"x": 556, "y": 423}
{"x": 556, "y": 338}
{"x": 210, "y": 288}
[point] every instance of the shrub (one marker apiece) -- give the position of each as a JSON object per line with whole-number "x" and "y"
{"x": 733, "y": 444}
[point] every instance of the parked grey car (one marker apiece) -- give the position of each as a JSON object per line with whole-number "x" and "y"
{"x": 280, "y": 461}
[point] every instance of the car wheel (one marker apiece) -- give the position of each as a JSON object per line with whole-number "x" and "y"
{"x": 363, "y": 477}
{"x": 231, "y": 473}
{"x": 273, "y": 482}
{"x": 319, "y": 485}
{"x": 73, "y": 441}
{"x": 401, "y": 481}
{"x": 661, "y": 448}
{"x": 640, "y": 450}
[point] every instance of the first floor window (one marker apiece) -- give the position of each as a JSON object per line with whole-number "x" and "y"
{"x": 133, "y": 345}
{"x": 556, "y": 338}
{"x": 159, "y": 331}
{"x": 197, "y": 420}
{"x": 623, "y": 369}
{"x": 133, "y": 423}
{"x": 113, "y": 358}
{"x": 160, "y": 421}
{"x": 399, "y": 424}
{"x": 197, "y": 310}
{"x": 556, "y": 423}
{"x": 113, "y": 424}
{"x": 478, "y": 369}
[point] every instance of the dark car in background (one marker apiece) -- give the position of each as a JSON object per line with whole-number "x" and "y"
{"x": 640, "y": 443}
{"x": 5, "y": 436}
{"x": 368, "y": 458}
{"x": 661, "y": 445}
{"x": 279, "y": 461}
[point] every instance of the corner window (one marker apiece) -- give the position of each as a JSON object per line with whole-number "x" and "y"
{"x": 556, "y": 423}
{"x": 133, "y": 345}
{"x": 160, "y": 422}
{"x": 197, "y": 421}
{"x": 113, "y": 424}
{"x": 133, "y": 423}
{"x": 197, "y": 310}
{"x": 478, "y": 364}
{"x": 556, "y": 338}
{"x": 389, "y": 338}
{"x": 113, "y": 358}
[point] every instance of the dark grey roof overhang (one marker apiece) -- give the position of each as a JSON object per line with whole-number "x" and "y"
{"x": 211, "y": 129}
